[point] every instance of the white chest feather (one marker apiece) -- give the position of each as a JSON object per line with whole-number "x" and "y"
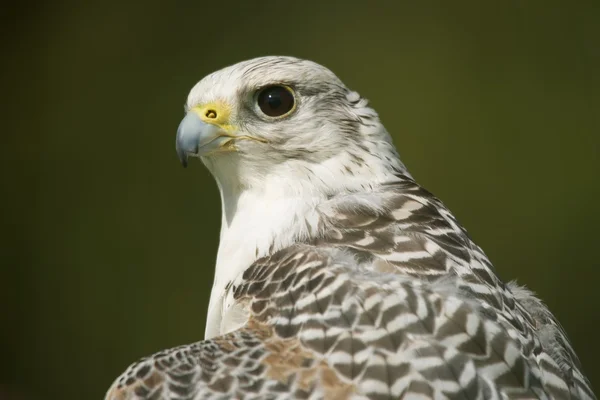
{"x": 266, "y": 211}
{"x": 252, "y": 227}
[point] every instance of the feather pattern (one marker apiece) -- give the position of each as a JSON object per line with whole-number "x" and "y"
{"x": 378, "y": 293}
{"x": 390, "y": 302}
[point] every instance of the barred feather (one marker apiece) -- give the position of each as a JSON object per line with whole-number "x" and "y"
{"x": 379, "y": 294}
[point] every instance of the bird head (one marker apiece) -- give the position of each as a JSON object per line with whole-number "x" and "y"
{"x": 271, "y": 114}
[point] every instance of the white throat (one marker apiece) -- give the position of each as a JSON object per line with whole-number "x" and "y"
{"x": 264, "y": 212}
{"x": 256, "y": 222}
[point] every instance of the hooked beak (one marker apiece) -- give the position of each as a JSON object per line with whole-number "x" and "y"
{"x": 197, "y": 138}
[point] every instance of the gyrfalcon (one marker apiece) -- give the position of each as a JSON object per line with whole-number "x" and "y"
{"x": 337, "y": 275}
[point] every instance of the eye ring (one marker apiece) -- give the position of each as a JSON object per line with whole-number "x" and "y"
{"x": 276, "y": 101}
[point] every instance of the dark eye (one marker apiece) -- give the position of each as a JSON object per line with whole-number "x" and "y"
{"x": 276, "y": 101}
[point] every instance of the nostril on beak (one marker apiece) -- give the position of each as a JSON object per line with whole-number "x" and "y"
{"x": 212, "y": 114}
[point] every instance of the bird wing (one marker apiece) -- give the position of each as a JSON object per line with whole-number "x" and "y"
{"x": 411, "y": 233}
{"x": 393, "y": 301}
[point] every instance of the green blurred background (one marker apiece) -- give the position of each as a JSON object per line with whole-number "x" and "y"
{"x": 109, "y": 245}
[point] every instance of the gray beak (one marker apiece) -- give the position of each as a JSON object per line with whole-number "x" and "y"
{"x": 196, "y": 138}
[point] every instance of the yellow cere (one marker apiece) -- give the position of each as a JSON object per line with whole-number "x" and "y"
{"x": 216, "y": 113}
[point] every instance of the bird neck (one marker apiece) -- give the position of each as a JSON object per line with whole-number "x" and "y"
{"x": 266, "y": 213}
{"x": 255, "y": 222}
{"x": 266, "y": 208}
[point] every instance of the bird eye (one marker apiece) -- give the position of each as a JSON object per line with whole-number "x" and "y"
{"x": 276, "y": 101}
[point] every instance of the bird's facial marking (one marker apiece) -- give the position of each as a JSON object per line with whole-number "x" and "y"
{"x": 218, "y": 113}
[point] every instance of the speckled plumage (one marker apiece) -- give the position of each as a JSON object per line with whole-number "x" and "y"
{"x": 375, "y": 292}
